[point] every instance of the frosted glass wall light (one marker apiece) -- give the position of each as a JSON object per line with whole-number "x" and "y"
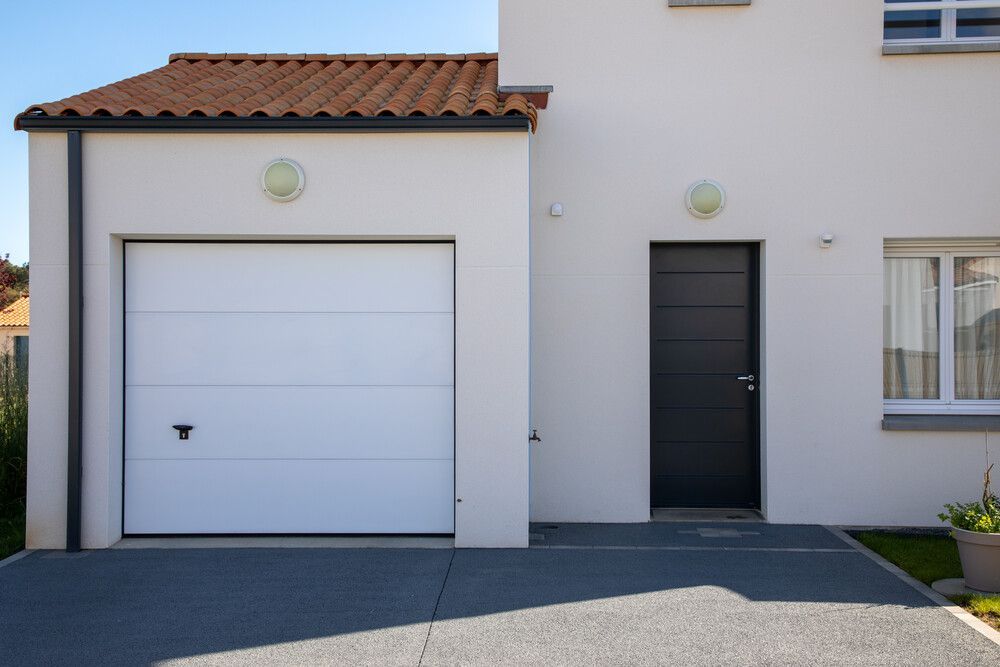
{"x": 705, "y": 198}
{"x": 283, "y": 180}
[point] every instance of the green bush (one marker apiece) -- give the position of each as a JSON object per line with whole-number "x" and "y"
{"x": 973, "y": 516}
{"x": 978, "y": 517}
{"x": 13, "y": 453}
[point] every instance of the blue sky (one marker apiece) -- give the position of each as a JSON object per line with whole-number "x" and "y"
{"x": 55, "y": 49}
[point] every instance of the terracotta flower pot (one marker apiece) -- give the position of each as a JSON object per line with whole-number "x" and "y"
{"x": 980, "y": 554}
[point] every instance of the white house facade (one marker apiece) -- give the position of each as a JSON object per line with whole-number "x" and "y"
{"x": 793, "y": 107}
{"x": 730, "y": 255}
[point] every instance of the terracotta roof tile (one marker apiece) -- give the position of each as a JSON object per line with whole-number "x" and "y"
{"x": 16, "y": 314}
{"x": 301, "y": 84}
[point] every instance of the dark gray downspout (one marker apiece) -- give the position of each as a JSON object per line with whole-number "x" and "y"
{"x": 74, "y": 151}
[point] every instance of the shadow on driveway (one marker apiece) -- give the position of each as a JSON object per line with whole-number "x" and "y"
{"x": 678, "y": 598}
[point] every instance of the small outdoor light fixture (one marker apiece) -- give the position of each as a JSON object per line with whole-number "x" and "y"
{"x": 283, "y": 180}
{"x": 705, "y": 198}
{"x": 556, "y": 211}
{"x": 825, "y": 240}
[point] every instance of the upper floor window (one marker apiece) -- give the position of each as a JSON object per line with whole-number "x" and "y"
{"x": 941, "y": 331}
{"x": 942, "y": 21}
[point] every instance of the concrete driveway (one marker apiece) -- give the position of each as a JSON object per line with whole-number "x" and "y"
{"x": 638, "y": 594}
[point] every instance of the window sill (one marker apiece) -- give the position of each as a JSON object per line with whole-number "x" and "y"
{"x": 706, "y": 3}
{"x": 941, "y": 423}
{"x": 892, "y": 49}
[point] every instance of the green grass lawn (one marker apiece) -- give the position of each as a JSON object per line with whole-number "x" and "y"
{"x": 986, "y": 607}
{"x": 925, "y": 557}
{"x": 929, "y": 558}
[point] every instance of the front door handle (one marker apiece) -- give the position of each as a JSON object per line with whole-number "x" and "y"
{"x": 749, "y": 378}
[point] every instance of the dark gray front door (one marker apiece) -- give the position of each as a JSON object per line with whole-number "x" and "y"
{"x": 704, "y": 412}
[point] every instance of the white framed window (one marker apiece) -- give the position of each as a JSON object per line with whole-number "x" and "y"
{"x": 941, "y": 330}
{"x": 922, "y": 22}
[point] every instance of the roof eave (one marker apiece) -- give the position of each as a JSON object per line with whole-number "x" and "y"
{"x": 484, "y": 123}
{"x": 536, "y": 95}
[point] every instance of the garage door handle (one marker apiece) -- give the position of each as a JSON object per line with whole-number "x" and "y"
{"x": 183, "y": 430}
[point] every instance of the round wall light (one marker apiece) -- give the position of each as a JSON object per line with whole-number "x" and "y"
{"x": 283, "y": 179}
{"x": 705, "y": 198}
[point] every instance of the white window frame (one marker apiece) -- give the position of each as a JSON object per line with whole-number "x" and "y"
{"x": 946, "y": 404}
{"x": 949, "y": 20}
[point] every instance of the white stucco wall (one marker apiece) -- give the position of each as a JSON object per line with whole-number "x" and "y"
{"x": 470, "y": 187}
{"x": 790, "y": 104}
{"x": 48, "y": 400}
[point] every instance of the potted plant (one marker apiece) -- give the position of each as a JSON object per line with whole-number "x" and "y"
{"x": 977, "y": 532}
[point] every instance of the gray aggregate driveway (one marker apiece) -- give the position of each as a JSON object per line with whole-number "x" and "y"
{"x": 638, "y": 594}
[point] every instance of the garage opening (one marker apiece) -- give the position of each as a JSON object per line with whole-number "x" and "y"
{"x": 317, "y": 380}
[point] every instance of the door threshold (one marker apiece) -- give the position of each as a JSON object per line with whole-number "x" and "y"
{"x": 705, "y": 515}
{"x": 285, "y": 542}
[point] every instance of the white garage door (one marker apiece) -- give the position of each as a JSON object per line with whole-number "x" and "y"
{"x": 318, "y": 379}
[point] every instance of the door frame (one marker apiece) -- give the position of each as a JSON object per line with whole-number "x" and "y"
{"x": 284, "y": 241}
{"x": 756, "y": 430}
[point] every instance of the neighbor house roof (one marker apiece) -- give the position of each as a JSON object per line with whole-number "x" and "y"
{"x": 302, "y": 85}
{"x": 16, "y": 314}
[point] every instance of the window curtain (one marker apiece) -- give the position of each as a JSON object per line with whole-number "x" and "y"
{"x": 977, "y": 328}
{"x": 910, "y": 355}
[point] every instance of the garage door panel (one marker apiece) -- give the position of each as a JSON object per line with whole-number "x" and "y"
{"x": 290, "y": 349}
{"x": 396, "y": 277}
{"x": 250, "y": 496}
{"x": 322, "y": 401}
{"x": 291, "y": 422}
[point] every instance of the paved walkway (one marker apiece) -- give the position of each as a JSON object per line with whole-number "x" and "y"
{"x": 637, "y": 594}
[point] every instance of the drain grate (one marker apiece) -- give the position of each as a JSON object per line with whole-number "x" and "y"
{"x": 66, "y": 555}
{"x": 717, "y": 532}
